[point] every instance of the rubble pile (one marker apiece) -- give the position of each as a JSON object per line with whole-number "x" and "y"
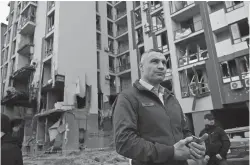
{"x": 87, "y": 157}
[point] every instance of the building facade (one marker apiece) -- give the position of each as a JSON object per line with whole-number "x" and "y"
{"x": 60, "y": 56}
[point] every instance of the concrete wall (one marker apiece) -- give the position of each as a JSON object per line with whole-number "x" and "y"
{"x": 76, "y": 53}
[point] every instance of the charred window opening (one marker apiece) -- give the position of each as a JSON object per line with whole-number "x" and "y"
{"x": 158, "y": 21}
{"x": 111, "y": 64}
{"x": 110, "y": 28}
{"x": 244, "y": 64}
{"x": 168, "y": 64}
{"x": 98, "y": 60}
{"x": 98, "y": 22}
{"x": 109, "y": 12}
{"x": 229, "y": 71}
{"x": 139, "y": 36}
{"x": 138, "y": 18}
{"x": 240, "y": 31}
{"x": 98, "y": 40}
{"x": 184, "y": 83}
{"x": 111, "y": 45}
{"x": 162, "y": 42}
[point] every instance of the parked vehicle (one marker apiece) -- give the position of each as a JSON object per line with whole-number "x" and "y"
{"x": 239, "y": 149}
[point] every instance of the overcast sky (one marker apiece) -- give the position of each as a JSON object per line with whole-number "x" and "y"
{"x": 4, "y": 11}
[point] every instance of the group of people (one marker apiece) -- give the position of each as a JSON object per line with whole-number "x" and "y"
{"x": 150, "y": 127}
{"x": 11, "y": 153}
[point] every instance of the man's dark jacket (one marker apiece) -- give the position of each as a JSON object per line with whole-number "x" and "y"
{"x": 217, "y": 142}
{"x": 10, "y": 152}
{"x": 145, "y": 129}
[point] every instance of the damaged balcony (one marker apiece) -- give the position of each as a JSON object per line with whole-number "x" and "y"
{"x": 188, "y": 29}
{"x": 158, "y": 21}
{"x": 28, "y": 21}
{"x": 23, "y": 73}
{"x": 194, "y": 82}
{"x": 15, "y": 97}
{"x": 50, "y": 83}
{"x": 25, "y": 47}
{"x": 27, "y": 4}
{"x": 123, "y": 63}
{"x": 192, "y": 51}
{"x": 156, "y": 6}
{"x": 182, "y": 10}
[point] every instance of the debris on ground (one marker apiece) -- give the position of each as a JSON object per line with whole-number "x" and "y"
{"x": 92, "y": 157}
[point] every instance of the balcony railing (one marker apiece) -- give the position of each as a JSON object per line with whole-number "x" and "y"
{"x": 191, "y": 28}
{"x": 176, "y": 6}
{"x": 164, "y": 48}
{"x": 25, "y": 3}
{"x": 112, "y": 69}
{"x": 158, "y": 27}
{"x": 24, "y": 20}
{"x": 193, "y": 58}
{"x": 123, "y": 67}
{"x": 110, "y": 16}
{"x": 121, "y": 14}
{"x": 138, "y": 22}
{"x": 156, "y": 6}
{"x": 242, "y": 39}
{"x": 122, "y": 49}
{"x": 121, "y": 31}
{"x": 235, "y": 6}
{"x": 111, "y": 33}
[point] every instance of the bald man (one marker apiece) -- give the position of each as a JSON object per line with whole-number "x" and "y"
{"x": 149, "y": 125}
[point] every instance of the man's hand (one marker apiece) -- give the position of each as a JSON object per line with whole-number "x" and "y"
{"x": 181, "y": 151}
{"x": 218, "y": 157}
{"x": 198, "y": 150}
{"x": 206, "y": 159}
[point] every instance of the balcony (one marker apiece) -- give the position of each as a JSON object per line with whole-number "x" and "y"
{"x": 192, "y": 58}
{"x": 26, "y": 5}
{"x": 182, "y": 10}
{"x": 123, "y": 68}
{"x": 16, "y": 97}
{"x": 190, "y": 31}
{"x": 121, "y": 31}
{"x": 155, "y": 6}
{"x": 23, "y": 73}
{"x": 120, "y": 15}
{"x": 27, "y": 25}
{"x": 234, "y": 5}
{"x": 111, "y": 69}
{"x": 58, "y": 84}
{"x": 226, "y": 47}
{"x": 122, "y": 49}
{"x": 25, "y": 48}
{"x": 221, "y": 19}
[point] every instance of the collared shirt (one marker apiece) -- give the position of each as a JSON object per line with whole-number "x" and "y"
{"x": 150, "y": 87}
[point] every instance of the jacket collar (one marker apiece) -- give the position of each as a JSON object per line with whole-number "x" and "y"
{"x": 141, "y": 87}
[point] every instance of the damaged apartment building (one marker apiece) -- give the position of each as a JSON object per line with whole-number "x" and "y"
{"x": 64, "y": 63}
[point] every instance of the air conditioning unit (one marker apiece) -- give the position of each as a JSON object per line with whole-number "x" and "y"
{"x": 107, "y": 77}
{"x": 106, "y": 49}
{"x": 236, "y": 85}
{"x": 146, "y": 28}
{"x": 145, "y": 6}
{"x": 247, "y": 82}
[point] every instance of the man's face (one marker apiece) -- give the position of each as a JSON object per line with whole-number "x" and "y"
{"x": 208, "y": 122}
{"x": 153, "y": 68}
